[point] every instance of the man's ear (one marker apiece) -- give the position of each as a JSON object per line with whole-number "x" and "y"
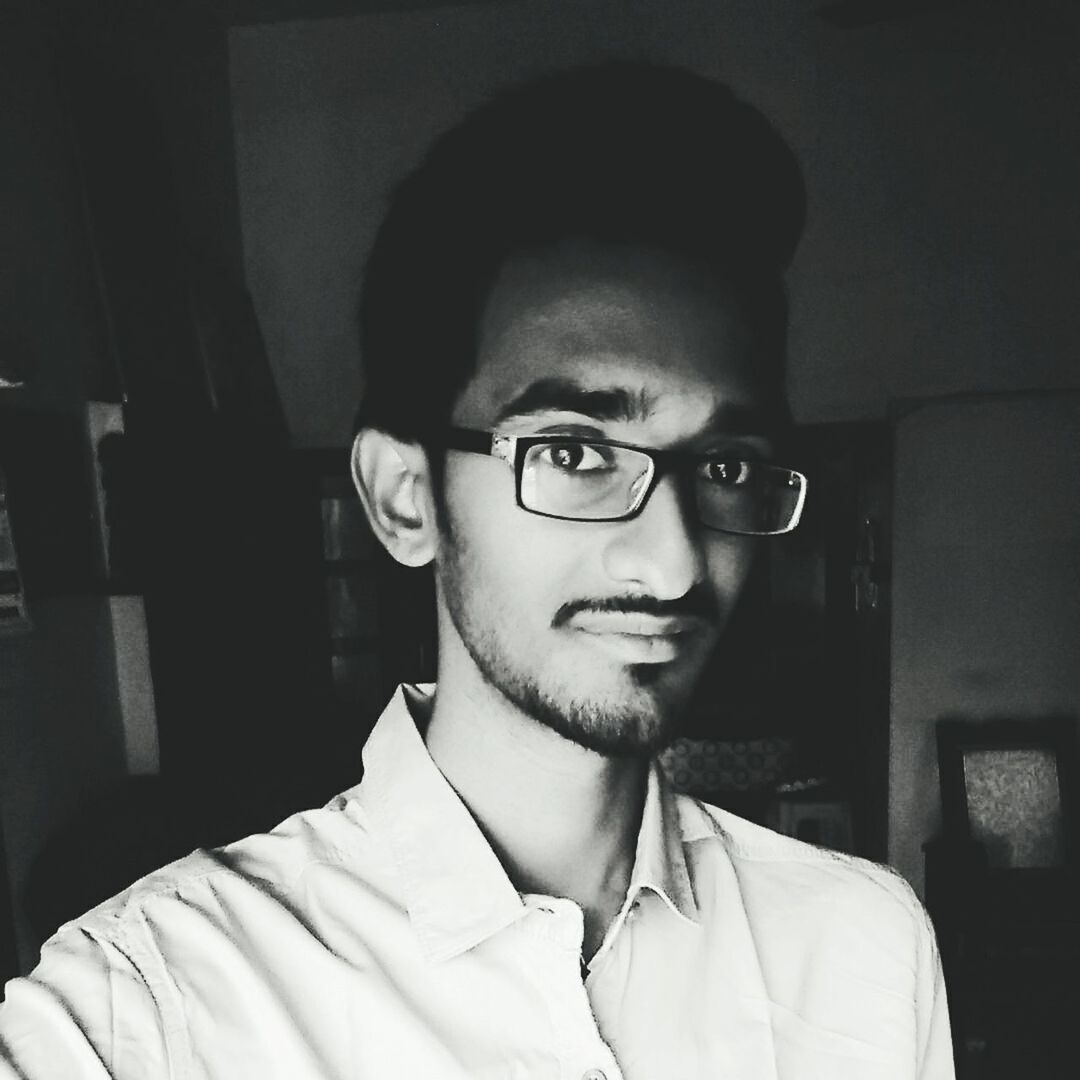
{"x": 394, "y": 483}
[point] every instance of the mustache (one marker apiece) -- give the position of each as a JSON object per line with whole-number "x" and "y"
{"x": 697, "y": 603}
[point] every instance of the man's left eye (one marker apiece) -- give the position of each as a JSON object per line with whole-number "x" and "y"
{"x": 578, "y": 457}
{"x": 728, "y": 471}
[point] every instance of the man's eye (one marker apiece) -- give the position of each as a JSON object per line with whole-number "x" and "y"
{"x": 577, "y": 457}
{"x": 729, "y": 472}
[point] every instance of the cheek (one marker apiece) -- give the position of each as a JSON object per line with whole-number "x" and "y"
{"x": 496, "y": 550}
{"x": 479, "y": 504}
{"x": 729, "y": 560}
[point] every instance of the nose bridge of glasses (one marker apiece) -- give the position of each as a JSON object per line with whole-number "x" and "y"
{"x": 674, "y": 466}
{"x": 674, "y": 472}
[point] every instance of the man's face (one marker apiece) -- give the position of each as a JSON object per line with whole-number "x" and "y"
{"x": 596, "y": 629}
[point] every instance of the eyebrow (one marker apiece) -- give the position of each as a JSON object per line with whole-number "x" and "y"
{"x": 619, "y": 403}
{"x": 565, "y": 395}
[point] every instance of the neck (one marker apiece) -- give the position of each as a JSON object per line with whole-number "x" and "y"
{"x": 563, "y": 820}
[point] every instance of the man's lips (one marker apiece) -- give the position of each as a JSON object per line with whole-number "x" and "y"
{"x": 642, "y": 629}
{"x": 634, "y": 624}
{"x": 637, "y": 637}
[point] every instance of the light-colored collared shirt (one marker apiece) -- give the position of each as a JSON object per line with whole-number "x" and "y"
{"x": 379, "y": 938}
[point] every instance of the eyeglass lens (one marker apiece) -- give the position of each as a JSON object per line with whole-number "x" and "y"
{"x": 594, "y": 481}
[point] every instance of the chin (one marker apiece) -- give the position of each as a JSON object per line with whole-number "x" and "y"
{"x": 637, "y": 718}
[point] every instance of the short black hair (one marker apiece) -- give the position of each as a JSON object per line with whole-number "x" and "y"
{"x": 625, "y": 151}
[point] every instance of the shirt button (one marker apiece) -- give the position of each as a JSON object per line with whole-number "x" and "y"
{"x": 594, "y": 1074}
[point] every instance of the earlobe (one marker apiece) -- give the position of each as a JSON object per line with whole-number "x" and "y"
{"x": 393, "y": 481}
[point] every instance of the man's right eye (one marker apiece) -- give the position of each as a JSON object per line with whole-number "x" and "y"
{"x": 577, "y": 457}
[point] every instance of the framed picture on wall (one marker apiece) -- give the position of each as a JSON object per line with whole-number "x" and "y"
{"x": 1010, "y": 785}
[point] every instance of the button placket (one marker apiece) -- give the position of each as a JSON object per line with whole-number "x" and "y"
{"x": 582, "y": 1042}
{"x": 559, "y": 930}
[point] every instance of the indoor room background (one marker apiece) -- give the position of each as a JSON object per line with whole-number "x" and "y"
{"x": 203, "y": 180}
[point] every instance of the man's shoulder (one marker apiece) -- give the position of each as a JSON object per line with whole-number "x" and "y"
{"x": 271, "y": 865}
{"x": 787, "y": 871}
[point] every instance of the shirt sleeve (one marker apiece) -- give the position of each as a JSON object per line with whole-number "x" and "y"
{"x": 86, "y": 1012}
{"x": 935, "y": 1050}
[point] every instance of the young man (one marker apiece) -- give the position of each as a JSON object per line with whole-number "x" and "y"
{"x": 573, "y": 331}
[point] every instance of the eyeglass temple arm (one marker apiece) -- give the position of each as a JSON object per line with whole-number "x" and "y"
{"x": 480, "y": 442}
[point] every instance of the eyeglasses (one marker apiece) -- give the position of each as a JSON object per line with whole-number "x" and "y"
{"x": 574, "y": 479}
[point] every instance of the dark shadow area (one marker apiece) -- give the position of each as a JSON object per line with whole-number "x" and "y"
{"x": 1003, "y": 890}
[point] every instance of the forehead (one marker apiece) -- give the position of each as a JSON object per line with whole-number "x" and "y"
{"x": 645, "y": 339}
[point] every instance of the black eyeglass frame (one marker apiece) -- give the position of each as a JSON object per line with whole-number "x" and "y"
{"x": 513, "y": 449}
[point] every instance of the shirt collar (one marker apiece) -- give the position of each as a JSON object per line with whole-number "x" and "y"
{"x": 660, "y": 858}
{"x": 456, "y": 890}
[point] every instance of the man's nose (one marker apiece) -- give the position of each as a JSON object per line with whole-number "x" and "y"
{"x": 661, "y": 551}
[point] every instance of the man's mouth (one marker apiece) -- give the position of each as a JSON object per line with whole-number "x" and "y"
{"x": 636, "y": 623}
{"x": 638, "y": 637}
